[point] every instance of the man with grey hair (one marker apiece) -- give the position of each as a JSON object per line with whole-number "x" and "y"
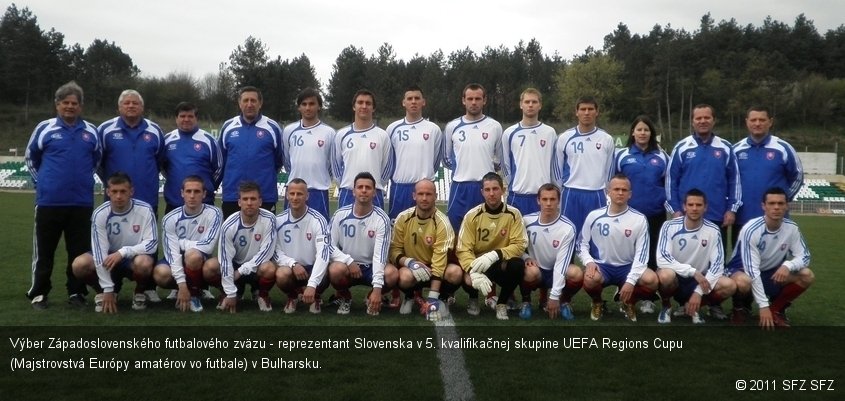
{"x": 61, "y": 155}
{"x": 134, "y": 145}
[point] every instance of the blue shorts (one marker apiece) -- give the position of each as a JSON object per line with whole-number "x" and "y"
{"x": 576, "y": 204}
{"x": 318, "y": 200}
{"x": 401, "y": 198}
{"x": 163, "y": 261}
{"x": 686, "y": 286}
{"x": 614, "y": 275}
{"x": 347, "y": 197}
{"x": 366, "y": 276}
{"x": 463, "y": 196}
{"x": 547, "y": 278}
{"x": 525, "y": 203}
{"x": 772, "y": 289}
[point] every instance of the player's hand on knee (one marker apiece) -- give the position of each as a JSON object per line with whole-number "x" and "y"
{"x": 420, "y": 271}
{"x": 354, "y": 271}
{"x": 299, "y": 272}
{"x": 481, "y": 283}
{"x": 781, "y": 275}
{"x": 483, "y": 262}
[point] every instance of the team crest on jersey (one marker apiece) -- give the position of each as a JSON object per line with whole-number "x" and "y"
{"x": 148, "y": 137}
{"x": 703, "y": 242}
{"x": 371, "y": 233}
{"x": 136, "y": 227}
{"x": 320, "y": 142}
{"x": 117, "y": 135}
{"x": 543, "y": 143}
{"x": 653, "y": 162}
{"x": 598, "y": 145}
{"x": 260, "y": 133}
{"x": 425, "y": 136}
{"x": 627, "y": 232}
{"x": 372, "y": 145}
{"x": 429, "y": 239}
{"x": 308, "y": 236}
{"x": 86, "y": 136}
{"x": 782, "y": 247}
{"x": 197, "y": 147}
{"x": 257, "y": 237}
{"x": 201, "y": 229}
{"x": 484, "y": 135}
{"x": 770, "y": 155}
{"x": 717, "y": 153}
{"x": 555, "y": 243}
{"x": 503, "y": 232}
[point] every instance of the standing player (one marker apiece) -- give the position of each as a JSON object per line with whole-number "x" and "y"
{"x": 189, "y": 150}
{"x": 190, "y": 234}
{"x": 614, "y": 248}
{"x": 308, "y": 156}
{"x": 705, "y": 161}
{"x": 123, "y": 245}
{"x": 422, "y": 239}
{"x": 551, "y": 242}
{"x": 362, "y": 147}
{"x": 528, "y": 149}
{"x": 245, "y": 252}
{"x": 62, "y": 155}
{"x": 134, "y": 145}
{"x": 472, "y": 148}
{"x": 691, "y": 261}
{"x": 360, "y": 235}
{"x": 764, "y": 161}
{"x": 644, "y": 163}
{"x": 417, "y": 150}
{"x": 583, "y": 163}
{"x": 771, "y": 262}
{"x": 252, "y": 150}
{"x": 302, "y": 249}
{"x": 491, "y": 242}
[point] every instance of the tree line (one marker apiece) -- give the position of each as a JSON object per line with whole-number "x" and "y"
{"x": 795, "y": 70}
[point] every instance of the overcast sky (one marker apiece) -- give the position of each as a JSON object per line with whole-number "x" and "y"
{"x": 196, "y": 36}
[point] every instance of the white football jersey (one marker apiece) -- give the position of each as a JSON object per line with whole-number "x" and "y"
{"x": 245, "y": 246}
{"x": 472, "y": 148}
{"x": 364, "y": 239}
{"x": 615, "y": 240}
{"x": 760, "y": 250}
{"x": 689, "y": 251}
{"x": 551, "y": 245}
{"x": 131, "y": 233}
{"x": 181, "y": 232}
{"x": 308, "y": 153}
{"x": 584, "y": 160}
{"x": 358, "y": 151}
{"x": 417, "y": 150}
{"x": 303, "y": 240}
{"x": 528, "y": 153}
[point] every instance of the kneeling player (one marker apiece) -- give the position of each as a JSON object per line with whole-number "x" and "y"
{"x": 360, "y": 235}
{"x": 302, "y": 251}
{"x": 690, "y": 261}
{"x": 190, "y": 233}
{"x": 123, "y": 245}
{"x": 491, "y": 242}
{"x": 548, "y": 264}
{"x": 422, "y": 238}
{"x": 771, "y": 261}
{"x": 614, "y": 249}
{"x": 245, "y": 252}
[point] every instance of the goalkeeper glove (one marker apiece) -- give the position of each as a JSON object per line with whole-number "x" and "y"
{"x": 481, "y": 283}
{"x": 483, "y": 262}
{"x": 420, "y": 270}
